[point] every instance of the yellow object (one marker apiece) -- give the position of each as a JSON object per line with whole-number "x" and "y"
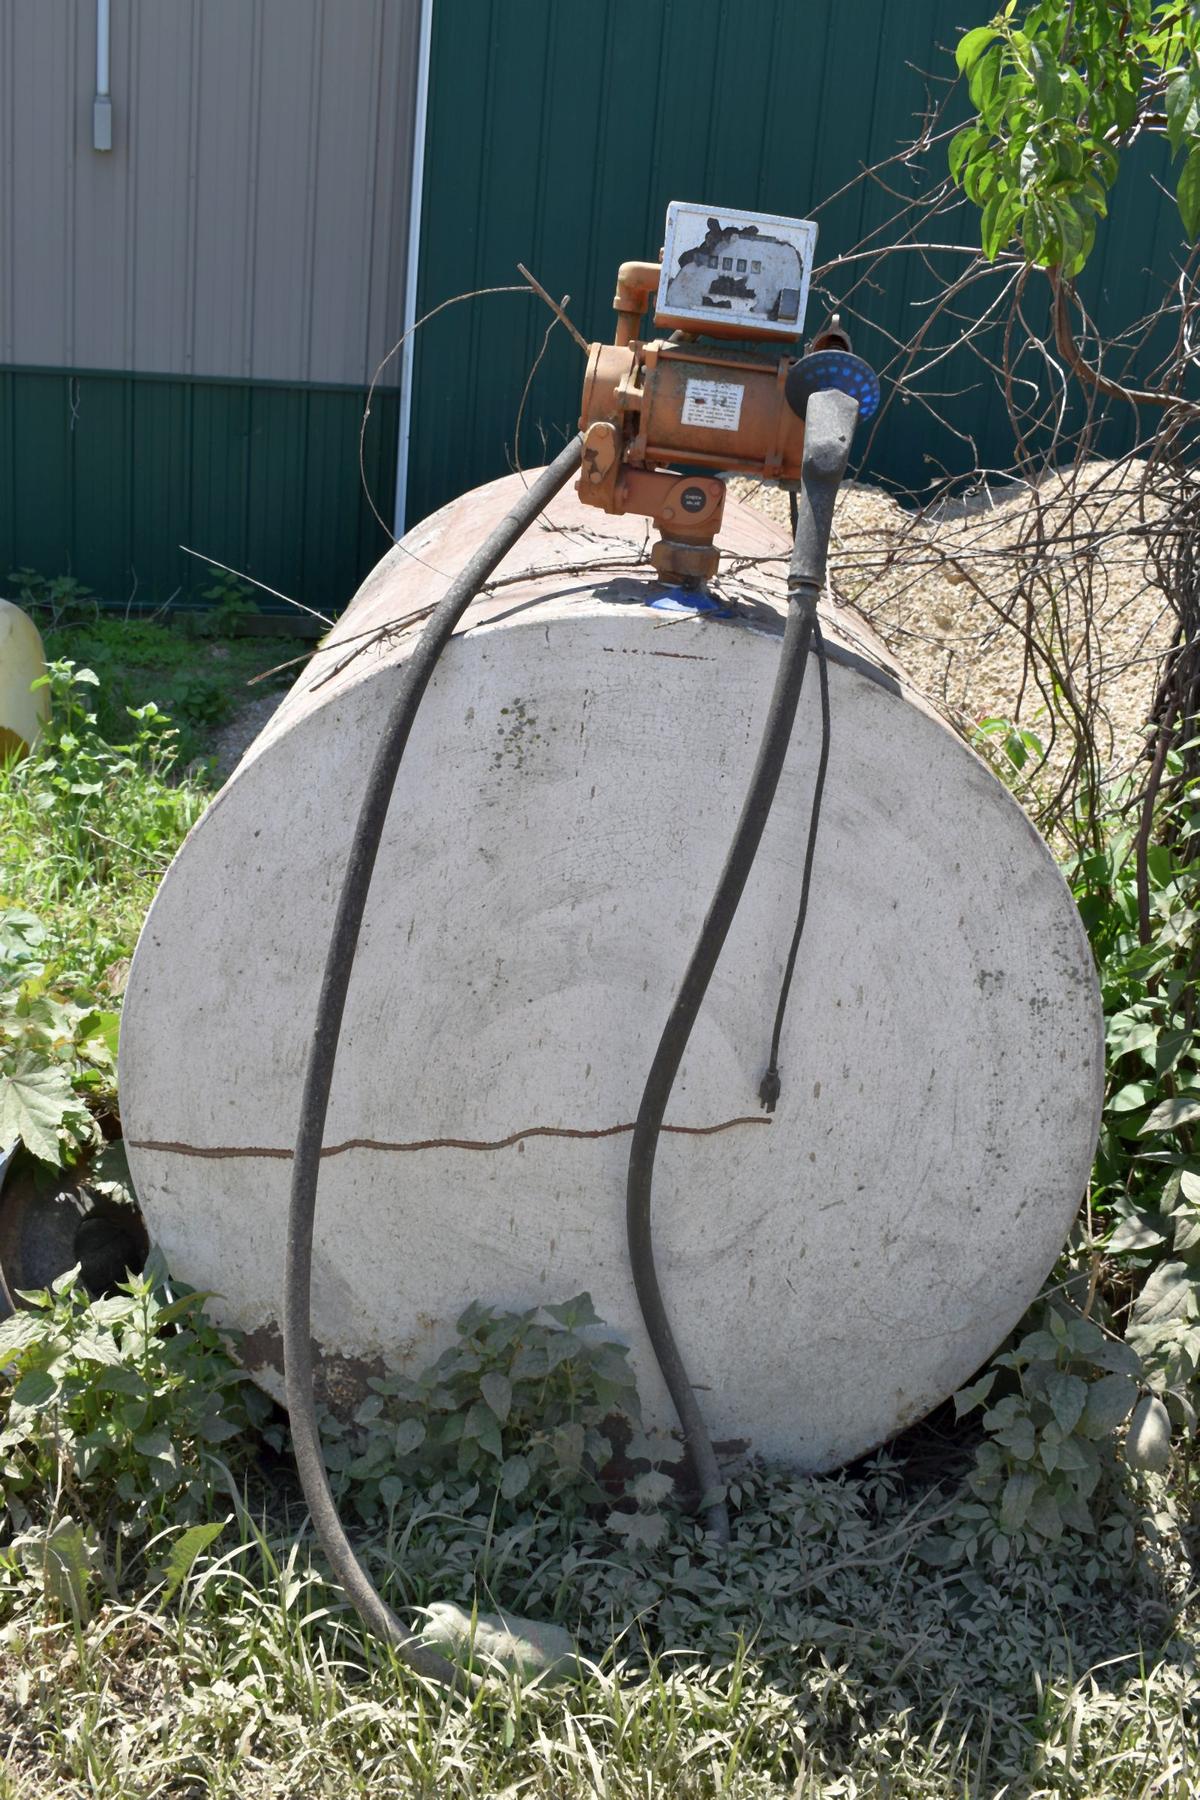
{"x": 23, "y": 710}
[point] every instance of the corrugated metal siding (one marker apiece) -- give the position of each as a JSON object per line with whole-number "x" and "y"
{"x": 105, "y": 476}
{"x": 251, "y": 219}
{"x": 559, "y": 130}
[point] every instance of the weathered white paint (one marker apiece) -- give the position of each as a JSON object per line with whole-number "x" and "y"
{"x": 568, "y": 795}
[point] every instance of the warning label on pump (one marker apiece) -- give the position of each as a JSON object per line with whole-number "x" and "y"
{"x": 716, "y": 404}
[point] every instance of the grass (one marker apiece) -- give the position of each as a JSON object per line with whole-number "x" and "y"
{"x": 887, "y": 1680}
{"x": 834, "y": 1651}
{"x": 88, "y": 826}
{"x": 198, "y": 681}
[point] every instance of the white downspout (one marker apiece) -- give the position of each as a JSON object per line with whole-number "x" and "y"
{"x": 412, "y": 269}
{"x": 102, "y": 103}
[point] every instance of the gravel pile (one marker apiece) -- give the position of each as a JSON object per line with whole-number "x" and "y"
{"x": 943, "y": 592}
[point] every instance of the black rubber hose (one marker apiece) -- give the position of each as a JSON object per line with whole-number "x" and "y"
{"x": 322, "y": 1053}
{"x": 771, "y": 1086}
{"x": 829, "y": 427}
{"x": 772, "y": 750}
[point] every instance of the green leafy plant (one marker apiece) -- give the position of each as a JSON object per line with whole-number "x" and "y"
{"x": 1049, "y": 1405}
{"x": 1145, "y": 1200}
{"x": 1059, "y": 91}
{"x": 122, "y": 1410}
{"x": 520, "y": 1403}
{"x": 197, "y": 685}
{"x": 87, "y": 828}
{"x": 1134, "y": 1259}
{"x": 54, "y": 600}
{"x": 232, "y": 603}
{"x": 199, "y": 701}
{"x": 58, "y": 1051}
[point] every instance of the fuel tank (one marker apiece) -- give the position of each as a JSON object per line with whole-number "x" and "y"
{"x": 833, "y": 1269}
{"x": 23, "y": 711}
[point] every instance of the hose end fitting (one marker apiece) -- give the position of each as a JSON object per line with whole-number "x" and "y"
{"x": 769, "y": 1089}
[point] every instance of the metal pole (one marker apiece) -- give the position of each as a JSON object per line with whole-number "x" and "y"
{"x": 102, "y": 103}
{"x": 416, "y": 186}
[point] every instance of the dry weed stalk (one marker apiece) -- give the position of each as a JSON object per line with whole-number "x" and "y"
{"x": 1092, "y": 523}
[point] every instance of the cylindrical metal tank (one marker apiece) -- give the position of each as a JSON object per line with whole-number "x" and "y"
{"x": 567, "y": 798}
{"x": 23, "y": 709}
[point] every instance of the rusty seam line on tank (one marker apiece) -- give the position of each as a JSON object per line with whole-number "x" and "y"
{"x": 504, "y": 1143}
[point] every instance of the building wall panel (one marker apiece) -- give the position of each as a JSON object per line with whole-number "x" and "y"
{"x": 107, "y": 476}
{"x": 251, "y": 219}
{"x": 560, "y": 129}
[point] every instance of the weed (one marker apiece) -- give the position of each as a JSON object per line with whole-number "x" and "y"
{"x": 516, "y": 1405}
{"x": 122, "y": 1407}
{"x": 232, "y": 602}
{"x": 58, "y": 1051}
{"x": 54, "y": 600}
{"x": 194, "y": 678}
{"x": 87, "y": 828}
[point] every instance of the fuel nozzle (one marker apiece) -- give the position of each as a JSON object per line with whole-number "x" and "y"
{"x": 830, "y": 390}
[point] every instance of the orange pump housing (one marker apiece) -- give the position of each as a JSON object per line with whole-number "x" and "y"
{"x": 684, "y": 399}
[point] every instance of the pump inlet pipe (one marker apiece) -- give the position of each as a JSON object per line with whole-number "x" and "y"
{"x": 830, "y": 427}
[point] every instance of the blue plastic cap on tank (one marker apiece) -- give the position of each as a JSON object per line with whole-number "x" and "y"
{"x": 832, "y": 369}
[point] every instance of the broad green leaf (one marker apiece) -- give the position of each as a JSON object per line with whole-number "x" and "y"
{"x": 96, "y": 1036}
{"x": 995, "y": 227}
{"x": 497, "y": 1391}
{"x": 36, "y": 1099}
{"x": 984, "y": 78}
{"x": 1187, "y": 1231}
{"x": 652, "y": 1487}
{"x": 1183, "y": 112}
{"x": 1109, "y": 1401}
{"x": 410, "y": 1435}
{"x": 1067, "y": 1395}
{"x": 17, "y": 1333}
{"x": 646, "y": 1529}
{"x": 967, "y": 1399}
{"x": 514, "y": 1476}
{"x": 1141, "y": 1231}
{"x": 1019, "y": 1438}
{"x": 156, "y": 1445}
{"x": 481, "y": 1426}
{"x": 177, "y": 1566}
{"x": 971, "y": 46}
{"x": 568, "y": 1445}
{"x": 1019, "y": 1491}
{"x": 961, "y": 145}
{"x": 62, "y": 1560}
{"x": 1171, "y": 1046}
{"x": 1045, "y": 78}
{"x": 1187, "y": 195}
{"x": 37, "y": 1387}
{"x": 1181, "y": 1109}
{"x": 1044, "y": 1516}
{"x": 391, "y": 1491}
{"x": 1169, "y": 1294}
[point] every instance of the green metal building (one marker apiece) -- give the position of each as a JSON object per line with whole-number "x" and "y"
{"x": 218, "y": 218}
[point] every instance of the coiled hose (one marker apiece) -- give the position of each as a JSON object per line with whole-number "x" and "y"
{"x": 804, "y": 582}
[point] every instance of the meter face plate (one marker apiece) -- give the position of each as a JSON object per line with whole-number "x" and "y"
{"x": 735, "y": 273}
